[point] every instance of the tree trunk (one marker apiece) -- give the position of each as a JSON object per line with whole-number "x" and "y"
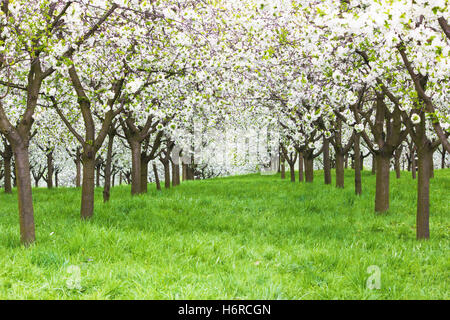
{"x": 88, "y": 185}
{"x": 300, "y": 167}
{"x": 135, "y": 167}
{"x": 283, "y": 167}
{"x": 443, "y": 158}
{"x": 97, "y": 181}
{"x": 431, "y": 165}
{"x": 14, "y": 180}
{"x": 423, "y": 194}
{"x": 374, "y": 164}
{"x": 144, "y": 174}
{"x": 56, "y": 179}
{"x": 292, "y": 171}
{"x": 78, "y": 176}
{"x": 361, "y": 157}
{"x": 166, "y": 165}
{"x": 279, "y": 163}
{"x": 189, "y": 172}
{"x": 26, "y": 212}
{"x": 50, "y": 170}
{"x": 175, "y": 174}
{"x": 107, "y": 186}
{"x": 382, "y": 183}
{"x": 413, "y": 164}
{"x": 339, "y": 169}
{"x": 397, "y": 156}
{"x": 184, "y": 171}
{"x": 326, "y": 161}
{"x": 358, "y": 166}
{"x": 155, "y": 172}
{"x": 309, "y": 169}
{"x": 7, "y": 164}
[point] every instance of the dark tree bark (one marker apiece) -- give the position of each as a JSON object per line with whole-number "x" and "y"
{"x": 56, "y": 178}
{"x": 175, "y": 173}
{"x": 374, "y": 164}
{"x": 144, "y": 174}
{"x": 14, "y": 180}
{"x": 423, "y": 195}
{"x": 300, "y": 167}
{"x": 411, "y": 156}
{"x": 326, "y": 161}
{"x": 37, "y": 173}
{"x": 432, "y": 165}
{"x": 166, "y": 165}
{"x": 358, "y": 165}
{"x": 291, "y": 158}
{"x": 283, "y": 167}
{"x": 165, "y": 158}
{"x": 22, "y": 162}
{"x": 109, "y": 156}
{"x": 309, "y": 168}
{"x": 425, "y": 149}
{"x": 77, "y": 160}
{"x": 443, "y": 153}
{"x": 88, "y": 185}
{"x": 135, "y": 167}
{"x": 397, "y": 155}
{"x": 7, "y": 156}
{"x": 36, "y": 181}
{"x": 308, "y": 159}
{"x": 155, "y": 172}
{"x": 279, "y": 163}
{"x": 50, "y": 168}
{"x": 382, "y": 182}
{"x": 190, "y": 174}
{"x": 292, "y": 172}
{"x": 184, "y": 171}
{"x": 363, "y": 156}
{"x": 445, "y": 26}
{"x": 98, "y": 167}
{"x": 413, "y": 164}
{"x": 127, "y": 176}
{"x": 309, "y": 156}
{"x": 339, "y": 169}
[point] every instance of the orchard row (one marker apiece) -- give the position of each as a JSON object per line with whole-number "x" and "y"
{"x": 118, "y": 86}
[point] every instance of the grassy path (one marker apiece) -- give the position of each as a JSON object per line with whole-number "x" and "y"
{"x": 249, "y": 237}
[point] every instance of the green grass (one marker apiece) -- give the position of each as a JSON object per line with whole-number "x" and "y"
{"x": 246, "y": 237}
